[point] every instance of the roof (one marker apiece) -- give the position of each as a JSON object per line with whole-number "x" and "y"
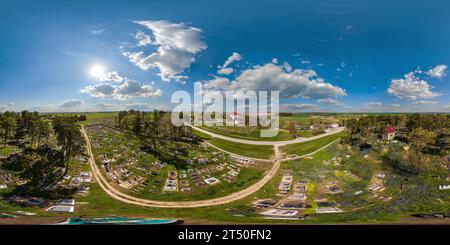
{"x": 390, "y": 129}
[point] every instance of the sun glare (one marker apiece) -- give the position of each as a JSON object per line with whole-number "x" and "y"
{"x": 97, "y": 70}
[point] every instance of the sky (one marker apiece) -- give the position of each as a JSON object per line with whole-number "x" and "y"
{"x": 331, "y": 56}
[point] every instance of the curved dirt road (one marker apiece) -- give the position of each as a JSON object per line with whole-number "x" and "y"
{"x": 274, "y": 143}
{"x": 114, "y": 193}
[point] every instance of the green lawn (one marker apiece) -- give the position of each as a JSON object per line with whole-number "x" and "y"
{"x": 304, "y": 133}
{"x": 310, "y": 146}
{"x": 7, "y": 150}
{"x": 99, "y": 115}
{"x": 256, "y": 151}
{"x": 251, "y": 134}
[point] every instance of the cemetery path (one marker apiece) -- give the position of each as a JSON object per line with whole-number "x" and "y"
{"x": 261, "y": 142}
{"x": 120, "y": 196}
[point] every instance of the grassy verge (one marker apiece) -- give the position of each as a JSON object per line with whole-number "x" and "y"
{"x": 254, "y": 135}
{"x": 256, "y": 151}
{"x": 310, "y": 146}
{"x": 8, "y": 150}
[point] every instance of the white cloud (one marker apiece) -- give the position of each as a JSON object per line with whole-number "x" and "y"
{"x": 329, "y": 101}
{"x": 118, "y": 87}
{"x": 127, "y": 106}
{"x": 176, "y": 47}
{"x": 298, "y": 107}
{"x": 72, "y": 104}
{"x": 411, "y": 87}
{"x": 101, "y": 106}
{"x": 124, "y": 91}
{"x": 373, "y": 104}
{"x": 143, "y": 39}
{"x": 437, "y": 72}
{"x": 97, "y": 32}
{"x": 305, "y": 62}
{"x": 287, "y": 66}
{"x": 298, "y": 83}
{"x": 6, "y": 107}
{"x": 395, "y": 105}
{"x": 425, "y": 102}
{"x": 225, "y": 69}
{"x": 112, "y": 76}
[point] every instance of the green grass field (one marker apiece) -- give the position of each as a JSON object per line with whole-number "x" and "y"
{"x": 242, "y": 133}
{"x": 8, "y": 150}
{"x": 310, "y": 146}
{"x": 256, "y": 151}
{"x": 99, "y": 115}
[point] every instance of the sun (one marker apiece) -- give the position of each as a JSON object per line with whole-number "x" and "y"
{"x": 97, "y": 70}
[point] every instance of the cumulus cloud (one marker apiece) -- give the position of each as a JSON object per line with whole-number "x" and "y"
{"x": 127, "y": 106}
{"x": 124, "y": 91}
{"x": 424, "y": 102}
{"x": 298, "y": 83}
{"x": 6, "y": 107}
{"x": 438, "y": 71}
{"x": 373, "y": 104}
{"x": 225, "y": 69}
{"x": 113, "y": 76}
{"x": 101, "y": 106}
{"x": 120, "y": 88}
{"x": 72, "y": 104}
{"x": 411, "y": 87}
{"x": 329, "y": 101}
{"x": 395, "y": 105}
{"x": 298, "y": 107}
{"x": 143, "y": 39}
{"x": 176, "y": 46}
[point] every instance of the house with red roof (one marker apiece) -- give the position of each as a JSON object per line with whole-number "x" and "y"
{"x": 235, "y": 117}
{"x": 390, "y": 132}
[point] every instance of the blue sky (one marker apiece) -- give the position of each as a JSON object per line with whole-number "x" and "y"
{"x": 321, "y": 55}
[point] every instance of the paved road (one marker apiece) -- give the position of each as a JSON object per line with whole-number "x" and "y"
{"x": 274, "y": 143}
{"x": 116, "y": 194}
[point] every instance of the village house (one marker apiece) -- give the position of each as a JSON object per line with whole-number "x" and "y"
{"x": 390, "y": 133}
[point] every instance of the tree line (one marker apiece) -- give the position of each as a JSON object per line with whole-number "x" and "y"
{"x": 154, "y": 129}
{"x": 423, "y": 135}
{"x": 46, "y": 142}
